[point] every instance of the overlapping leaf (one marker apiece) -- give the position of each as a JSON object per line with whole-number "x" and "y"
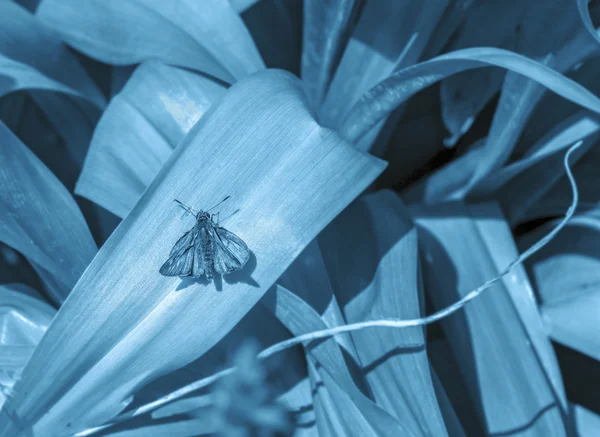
{"x": 351, "y": 412}
{"x": 32, "y": 56}
{"x": 327, "y": 27}
{"x": 139, "y": 130}
{"x": 371, "y": 255}
{"x": 40, "y": 219}
{"x": 388, "y": 36}
{"x": 23, "y": 321}
{"x": 465, "y": 94}
{"x": 566, "y": 278}
{"x": 207, "y": 36}
{"x": 509, "y": 367}
{"x": 287, "y": 179}
{"x": 383, "y": 98}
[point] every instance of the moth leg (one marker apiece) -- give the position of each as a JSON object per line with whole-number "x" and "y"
{"x": 212, "y": 217}
{"x": 186, "y": 208}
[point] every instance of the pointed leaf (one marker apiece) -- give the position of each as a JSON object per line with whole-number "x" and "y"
{"x": 32, "y": 47}
{"x": 207, "y": 36}
{"x": 40, "y": 219}
{"x": 519, "y": 30}
{"x": 389, "y": 35}
{"x": 23, "y": 321}
{"x": 499, "y": 340}
{"x": 139, "y": 130}
{"x": 287, "y": 178}
{"x": 371, "y": 254}
{"x": 359, "y": 412}
{"x": 181, "y": 428}
{"x": 327, "y": 26}
{"x": 587, "y": 422}
{"x": 383, "y": 98}
{"x": 566, "y": 273}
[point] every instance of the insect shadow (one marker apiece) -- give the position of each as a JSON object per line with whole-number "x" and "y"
{"x": 243, "y": 276}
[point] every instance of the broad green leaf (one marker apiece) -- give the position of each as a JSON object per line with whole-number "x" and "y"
{"x": 139, "y": 130}
{"x": 566, "y": 275}
{"x": 451, "y": 420}
{"x": 499, "y": 340}
{"x": 15, "y": 76}
{"x": 371, "y": 255}
{"x": 383, "y": 98}
{"x": 448, "y": 182}
{"x": 207, "y": 36}
{"x": 450, "y": 377}
{"x": 327, "y": 27}
{"x": 359, "y": 415}
{"x": 389, "y": 35}
{"x": 287, "y": 178}
{"x": 578, "y": 127}
{"x": 40, "y": 219}
{"x": 23, "y": 321}
{"x": 518, "y": 98}
{"x": 574, "y": 323}
{"x": 14, "y": 269}
{"x": 553, "y": 109}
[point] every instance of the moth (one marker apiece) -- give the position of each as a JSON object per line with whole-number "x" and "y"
{"x": 205, "y": 249}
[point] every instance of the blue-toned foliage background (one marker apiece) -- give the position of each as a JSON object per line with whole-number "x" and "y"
{"x": 383, "y": 158}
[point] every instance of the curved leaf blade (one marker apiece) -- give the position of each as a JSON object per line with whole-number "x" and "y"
{"x": 499, "y": 341}
{"x": 207, "y": 36}
{"x": 40, "y": 218}
{"x": 371, "y": 255}
{"x": 138, "y": 131}
{"x": 383, "y": 98}
{"x": 24, "y": 40}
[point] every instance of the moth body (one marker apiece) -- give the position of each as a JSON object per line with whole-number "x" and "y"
{"x": 204, "y": 230}
{"x": 205, "y": 249}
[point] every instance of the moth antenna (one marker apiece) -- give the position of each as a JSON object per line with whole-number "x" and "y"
{"x": 214, "y": 206}
{"x": 187, "y": 208}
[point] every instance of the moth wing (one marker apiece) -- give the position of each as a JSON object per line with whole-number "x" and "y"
{"x": 230, "y": 251}
{"x": 181, "y": 258}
